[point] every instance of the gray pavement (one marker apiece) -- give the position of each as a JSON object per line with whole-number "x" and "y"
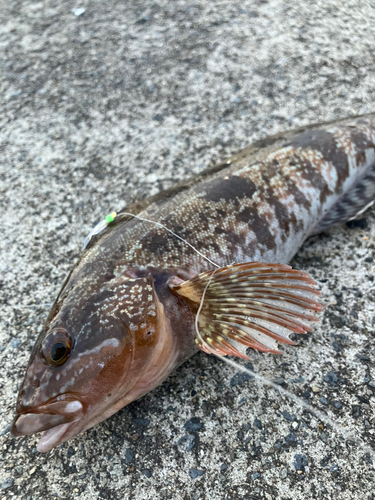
{"x": 110, "y": 103}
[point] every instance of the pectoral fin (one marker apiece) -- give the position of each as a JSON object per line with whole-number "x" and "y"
{"x": 250, "y": 305}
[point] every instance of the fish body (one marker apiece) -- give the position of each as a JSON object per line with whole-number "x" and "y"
{"x": 127, "y": 314}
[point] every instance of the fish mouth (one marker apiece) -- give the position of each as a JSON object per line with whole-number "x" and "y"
{"x": 53, "y": 419}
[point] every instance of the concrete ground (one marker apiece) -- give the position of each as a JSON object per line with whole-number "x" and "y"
{"x": 103, "y": 103}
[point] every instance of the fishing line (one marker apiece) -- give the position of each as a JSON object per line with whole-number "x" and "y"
{"x": 318, "y": 413}
{"x": 111, "y": 217}
{"x": 199, "y": 336}
{"x": 174, "y": 234}
{"x": 265, "y": 381}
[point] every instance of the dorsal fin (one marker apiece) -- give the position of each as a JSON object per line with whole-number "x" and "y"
{"x": 250, "y": 305}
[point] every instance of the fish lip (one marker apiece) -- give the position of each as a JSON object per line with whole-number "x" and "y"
{"x": 56, "y": 405}
{"x": 53, "y": 437}
{"x": 56, "y": 412}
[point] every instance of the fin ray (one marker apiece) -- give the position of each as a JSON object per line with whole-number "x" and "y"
{"x": 252, "y": 305}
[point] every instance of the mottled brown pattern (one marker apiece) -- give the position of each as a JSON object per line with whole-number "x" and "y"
{"x": 362, "y": 144}
{"x": 325, "y": 143}
{"x": 128, "y": 330}
{"x": 251, "y": 205}
{"x": 308, "y": 170}
{"x": 272, "y": 170}
{"x": 227, "y": 189}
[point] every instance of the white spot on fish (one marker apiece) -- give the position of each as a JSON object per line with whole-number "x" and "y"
{"x": 73, "y": 407}
{"x": 68, "y": 384}
{"x": 113, "y": 342}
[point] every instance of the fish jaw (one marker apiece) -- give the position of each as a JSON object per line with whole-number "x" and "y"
{"x": 53, "y": 419}
{"x": 53, "y": 437}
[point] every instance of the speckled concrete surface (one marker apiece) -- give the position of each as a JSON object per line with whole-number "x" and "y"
{"x": 103, "y": 103}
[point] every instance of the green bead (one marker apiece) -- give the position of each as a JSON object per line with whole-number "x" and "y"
{"x": 109, "y": 218}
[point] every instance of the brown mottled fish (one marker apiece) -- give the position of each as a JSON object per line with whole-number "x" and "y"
{"x": 131, "y": 310}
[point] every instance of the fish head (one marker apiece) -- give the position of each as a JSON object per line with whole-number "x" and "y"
{"x": 91, "y": 359}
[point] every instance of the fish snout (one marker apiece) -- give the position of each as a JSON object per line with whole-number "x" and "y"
{"x": 46, "y": 417}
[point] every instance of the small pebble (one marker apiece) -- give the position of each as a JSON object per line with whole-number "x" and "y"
{"x": 5, "y": 430}
{"x": 279, "y": 381}
{"x": 300, "y": 462}
{"x": 18, "y": 470}
{"x": 336, "y": 346}
{"x": 129, "y": 454}
{"x": 193, "y": 425}
{"x": 141, "y": 422}
{"x": 254, "y": 476}
{"x": 297, "y": 380}
{"x": 331, "y": 378}
{"x": 283, "y": 473}
{"x": 288, "y": 416}
{"x": 194, "y": 473}
{"x": 147, "y": 473}
{"x": 78, "y": 11}
{"x": 258, "y": 424}
{"x": 8, "y": 483}
{"x": 291, "y": 438}
{"x": 187, "y": 442}
{"x": 362, "y": 357}
{"x": 334, "y": 468}
{"x": 16, "y": 343}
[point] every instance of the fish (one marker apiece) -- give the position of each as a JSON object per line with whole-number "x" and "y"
{"x": 201, "y": 266}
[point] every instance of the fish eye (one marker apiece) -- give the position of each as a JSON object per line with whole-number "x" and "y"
{"x": 56, "y": 347}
